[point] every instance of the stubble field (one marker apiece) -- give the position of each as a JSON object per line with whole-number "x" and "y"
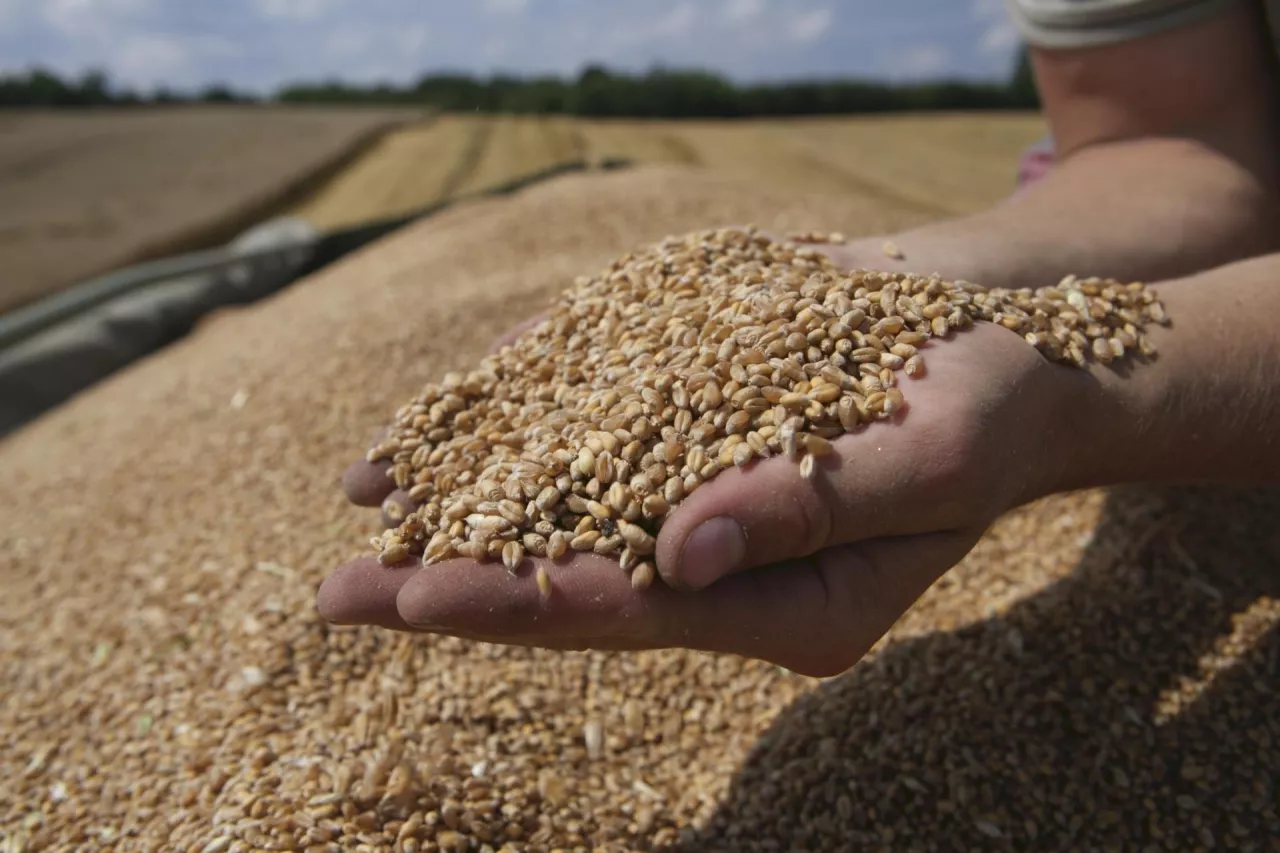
{"x": 83, "y": 192}
{"x": 936, "y": 164}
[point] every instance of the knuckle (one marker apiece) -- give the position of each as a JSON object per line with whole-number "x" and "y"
{"x": 813, "y": 520}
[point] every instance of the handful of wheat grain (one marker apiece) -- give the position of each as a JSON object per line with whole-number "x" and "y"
{"x": 696, "y": 354}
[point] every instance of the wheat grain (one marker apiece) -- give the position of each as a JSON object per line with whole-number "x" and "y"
{"x": 621, "y": 403}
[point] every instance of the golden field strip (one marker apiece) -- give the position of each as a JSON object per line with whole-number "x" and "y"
{"x": 971, "y": 158}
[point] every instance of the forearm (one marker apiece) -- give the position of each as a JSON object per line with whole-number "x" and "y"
{"x": 1169, "y": 163}
{"x": 1206, "y": 408}
{"x": 1147, "y": 210}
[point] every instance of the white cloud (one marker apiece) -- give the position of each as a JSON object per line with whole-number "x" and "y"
{"x": 674, "y": 25}
{"x": 292, "y": 10}
{"x": 740, "y": 12}
{"x": 921, "y": 60}
{"x": 413, "y": 38}
{"x": 809, "y": 26}
{"x": 505, "y": 7}
{"x": 998, "y": 38}
{"x": 678, "y": 22}
{"x": 494, "y": 49}
{"x": 9, "y": 11}
{"x": 999, "y": 35}
{"x": 150, "y": 59}
{"x": 352, "y": 42}
{"x": 91, "y": 18}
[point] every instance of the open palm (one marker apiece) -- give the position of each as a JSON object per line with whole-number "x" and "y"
{"x": 807, "y": 574}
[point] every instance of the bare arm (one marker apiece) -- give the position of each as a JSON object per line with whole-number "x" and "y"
{"x": 1169, "y": 164}
{"x": 1206, "y": 408}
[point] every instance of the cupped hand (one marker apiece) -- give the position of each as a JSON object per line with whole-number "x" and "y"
{"x": 761, "y": 562}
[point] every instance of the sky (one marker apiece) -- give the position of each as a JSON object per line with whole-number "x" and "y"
{"x": 258, "y": 45}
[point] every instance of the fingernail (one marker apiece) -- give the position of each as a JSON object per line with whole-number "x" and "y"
{"x": 716, "y": 548}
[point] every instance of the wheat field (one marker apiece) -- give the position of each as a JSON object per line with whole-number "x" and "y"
{"x": 936, "y": 164}
{"x": 406, "y": 170}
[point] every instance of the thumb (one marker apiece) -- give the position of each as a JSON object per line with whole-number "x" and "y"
{"x": 767, "y": 512}
{"x": 510, "y": 335}
{"x": 817, "y": 616}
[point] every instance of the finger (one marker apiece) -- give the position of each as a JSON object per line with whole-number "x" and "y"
{"x": 816, "y": 616}
{"x": 767, "y": 512}
{"x": 590, "y": 597}
{"x": 820, "y": 615}
{"x": 508, "y": 337}
{"x": 363, "y": 592}
{"x": 395, "y": 507}
{"x": 367, "y": 483}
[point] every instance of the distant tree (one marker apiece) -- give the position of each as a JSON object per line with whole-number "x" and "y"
{"x": 450, "y": 91}
{"x": 1022, "y": 86}
{"x": 540, "y": 95}
{"x": 44, "y": 88}
{"x": 595, "y": 91}
{"x": 165, "y": 95}
{"x": 598, "y": 92}
{"x": 220, "y": 93}
{"x": 94, "y": 89}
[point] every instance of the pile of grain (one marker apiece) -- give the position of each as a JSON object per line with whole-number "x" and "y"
{"x": 688, "y": 357}
{"x": 1100, "y": 673}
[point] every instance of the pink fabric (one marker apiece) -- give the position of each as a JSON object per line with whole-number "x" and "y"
{"x": 1036, "y": 162}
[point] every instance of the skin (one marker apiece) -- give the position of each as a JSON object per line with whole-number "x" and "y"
{"x": 809, "y": 574}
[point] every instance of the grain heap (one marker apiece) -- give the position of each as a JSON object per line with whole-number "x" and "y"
{"x": 1098, "y": 674}
{"x": 696, "y": 354}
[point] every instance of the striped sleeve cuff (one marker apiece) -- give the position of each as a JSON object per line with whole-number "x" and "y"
{"x": 1087, "y": 23}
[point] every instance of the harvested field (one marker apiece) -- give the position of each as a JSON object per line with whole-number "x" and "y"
{"x": 972, "y": 158}
{"x": 1099, "y": 674}
{"x": 407, "y": 170}
{"x": 763, "y": 152}
{"x": 85, "y": 192}
{"x": 516, "y": 146}
{"x": 457, "y": 154}
{"x": 937, "y": 164}
{"x": 638, "y": 141}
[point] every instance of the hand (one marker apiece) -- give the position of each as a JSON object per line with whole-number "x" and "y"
{"x": 820, "y": 570}
{"x": 516, "y": 331}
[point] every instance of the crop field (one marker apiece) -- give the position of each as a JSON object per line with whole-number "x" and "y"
{"x": 1098, "y": 674}
{"x": 405, "y": 170}
{"x": 84, "y": 192}
{"x": 934, "y": 164}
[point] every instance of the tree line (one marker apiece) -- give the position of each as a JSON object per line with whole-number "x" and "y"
{"x": 597, "y": 92}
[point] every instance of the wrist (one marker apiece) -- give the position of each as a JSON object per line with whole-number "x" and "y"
{"x": 1203, "y": 408}
{"x": 942, "y": 248}
{"x": 1067, "y": 426}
